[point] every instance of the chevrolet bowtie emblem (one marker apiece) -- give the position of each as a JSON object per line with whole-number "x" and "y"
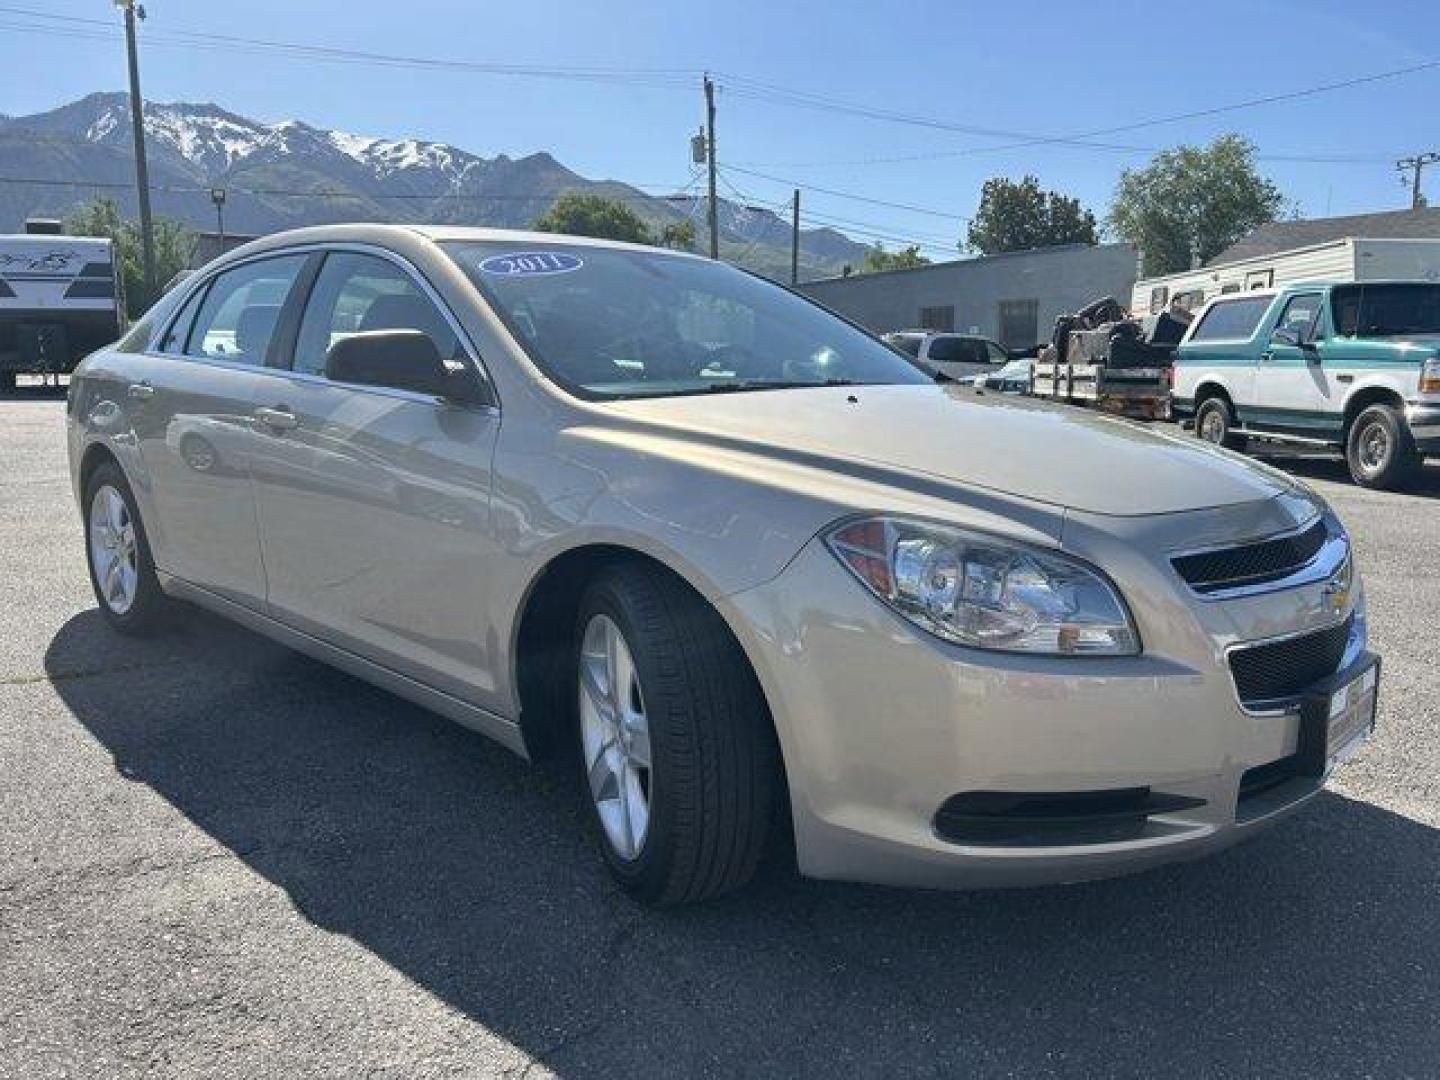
{"x": 1337, "y": 591}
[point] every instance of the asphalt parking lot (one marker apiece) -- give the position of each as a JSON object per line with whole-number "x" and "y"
{"x": 220, "y": 858}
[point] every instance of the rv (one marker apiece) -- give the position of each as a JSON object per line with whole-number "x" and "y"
{"x": 60, "y": 299}
{"x": 1337, "y": 262}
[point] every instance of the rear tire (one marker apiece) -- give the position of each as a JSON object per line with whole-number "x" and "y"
{"x": 707, "y": 779}
{"x": 1215, "y": 423}
{"x": 1380, "y": 450}
{"x": 122, "y": 573}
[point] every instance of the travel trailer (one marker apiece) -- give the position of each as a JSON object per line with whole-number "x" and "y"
{"x": 1337, "y": 262}
{"x": 60, "y": 300}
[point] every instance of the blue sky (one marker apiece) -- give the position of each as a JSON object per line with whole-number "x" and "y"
{"x": 1002, "y": 67}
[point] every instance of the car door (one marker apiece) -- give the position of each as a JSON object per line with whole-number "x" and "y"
{"x": 374, "y": 503}
{"x": 1293, "y": 388}
{"x": 190, "y": 401}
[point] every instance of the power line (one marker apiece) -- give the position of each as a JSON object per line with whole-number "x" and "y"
{"x": 803, "y": 99}
{"x": 71, "y": 25}
{"x": 948, "y": 216}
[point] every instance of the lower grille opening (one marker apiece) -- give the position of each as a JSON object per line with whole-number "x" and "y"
{"x": 1281, "y": 670}
{"x": 1043, "y": 818}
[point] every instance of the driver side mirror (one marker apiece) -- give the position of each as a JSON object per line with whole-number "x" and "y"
{"x": 1283, "y": 335}
{"x": 401, "y": 360}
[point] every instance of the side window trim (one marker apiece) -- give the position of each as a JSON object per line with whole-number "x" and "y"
{"x": 197, "y": 293}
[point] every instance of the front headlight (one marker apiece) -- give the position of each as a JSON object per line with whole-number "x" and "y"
{"x": 984, "y": 591}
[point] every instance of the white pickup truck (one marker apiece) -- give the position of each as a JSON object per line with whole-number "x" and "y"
{"x": 1354, "y": 366}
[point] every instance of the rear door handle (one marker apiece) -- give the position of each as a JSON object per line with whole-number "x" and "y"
{"x": 277, "y": 419}
{"x": 140, "y": 391}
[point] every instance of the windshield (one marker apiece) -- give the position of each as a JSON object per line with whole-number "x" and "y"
{"x": 1386, "y": 310}
{"x": 613, "y": 323}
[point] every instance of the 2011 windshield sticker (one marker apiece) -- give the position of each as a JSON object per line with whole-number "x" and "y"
{"x": 531, "y": 263}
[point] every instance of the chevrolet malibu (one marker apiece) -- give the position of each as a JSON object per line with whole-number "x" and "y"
{"x": 733, "y": 556}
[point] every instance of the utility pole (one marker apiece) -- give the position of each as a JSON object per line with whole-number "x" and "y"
{"x": 714, "y": 214}
{"x": 1415, "y": 166}
{"x": 795, "y": 239}
{"x": 142, "y": 172}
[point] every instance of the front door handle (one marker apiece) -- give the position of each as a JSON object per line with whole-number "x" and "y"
{"x": 1266, "y": 356}
{"x": 140, "y": 391}
{"x": 277, "y": 419}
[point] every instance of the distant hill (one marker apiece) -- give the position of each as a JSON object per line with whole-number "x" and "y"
{"x": 271, "y": 173}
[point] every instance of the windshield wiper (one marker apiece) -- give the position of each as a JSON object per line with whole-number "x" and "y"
{"x": 735, "y": 386}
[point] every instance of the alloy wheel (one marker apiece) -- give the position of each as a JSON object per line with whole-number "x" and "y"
{"x": 114, "y": 555}
{"x": 615, "y": 737}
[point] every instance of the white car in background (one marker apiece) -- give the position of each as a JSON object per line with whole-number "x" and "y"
{"x": 949, "y": 357}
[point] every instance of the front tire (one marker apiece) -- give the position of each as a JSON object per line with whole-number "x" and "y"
{"x": 122, "y": 573}
{"x": 1215, "y": 423}
{"x": 1380, "y": 451}
{"x": 677, "y": 756}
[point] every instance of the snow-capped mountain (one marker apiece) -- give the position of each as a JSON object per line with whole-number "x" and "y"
{"x": 290, "y": 173}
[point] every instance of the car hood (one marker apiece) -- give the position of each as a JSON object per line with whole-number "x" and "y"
{"x": 1030, "y": 449}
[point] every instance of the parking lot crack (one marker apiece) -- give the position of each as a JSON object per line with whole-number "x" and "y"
{"x": 87, "y": 673}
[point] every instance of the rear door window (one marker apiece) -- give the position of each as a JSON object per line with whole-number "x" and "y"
{"x": 237, "y": 318}
{"x": 1232, "y": 320}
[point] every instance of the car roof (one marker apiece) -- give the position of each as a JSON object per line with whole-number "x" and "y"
{"x": 381, "y": 233}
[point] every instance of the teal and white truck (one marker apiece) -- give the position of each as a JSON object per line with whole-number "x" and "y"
{"x": 1353, "y": 366}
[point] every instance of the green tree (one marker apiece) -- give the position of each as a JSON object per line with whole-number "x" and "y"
{"x": 878, "y": 259}
{"x": 679, "y": 235}
{"x": 174, "y": 245}
{"x": 1017, "y": 216}
{"x": 594, "y": 215}
{"x": 1193, "y": 199}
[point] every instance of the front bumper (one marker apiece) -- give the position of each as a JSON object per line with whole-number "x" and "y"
{"x": 1424, "y": 422}
{"x": 882, "y": 725}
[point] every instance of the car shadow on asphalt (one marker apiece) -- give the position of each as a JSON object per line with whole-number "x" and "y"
{"x": 1311, "y": 950}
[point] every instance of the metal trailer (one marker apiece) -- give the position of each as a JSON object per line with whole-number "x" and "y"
{"x": 60, "y": 300}
{"x": 1140, "y": 392}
